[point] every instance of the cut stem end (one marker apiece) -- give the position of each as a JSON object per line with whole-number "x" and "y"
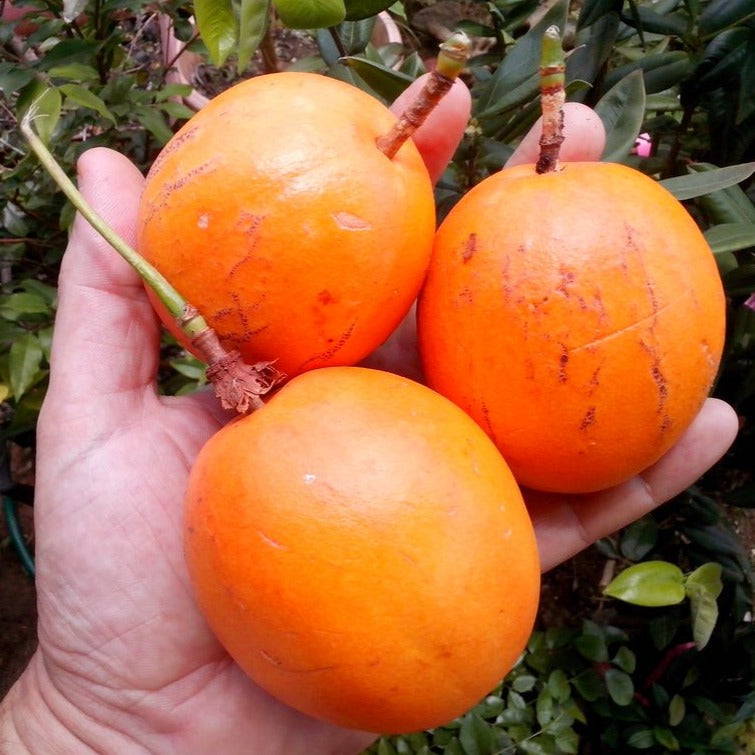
{"x": 453, "y": 57}
{"x": 552, "y": 97}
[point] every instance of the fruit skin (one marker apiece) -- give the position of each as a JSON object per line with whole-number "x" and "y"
{"x": 275, "y": 214}
{"x": 362, "y": 550}
{"x": 578, "y": 316}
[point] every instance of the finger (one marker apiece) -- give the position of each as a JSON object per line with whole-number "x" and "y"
{"x": 567, "y": 524}
{"x": 106, "y": 336}
{"x": 439, "y": 136}
{"x": 584, "y": 138}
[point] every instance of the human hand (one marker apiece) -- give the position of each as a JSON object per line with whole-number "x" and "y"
{"x": 125, "y": 662}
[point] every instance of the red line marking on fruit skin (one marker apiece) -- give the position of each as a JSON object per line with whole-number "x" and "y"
{"x": 588, "y": 419}
{"x": 470, "y": 247}
{"x": 330, "y": 352}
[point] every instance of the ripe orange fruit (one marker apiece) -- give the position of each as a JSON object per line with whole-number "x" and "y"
{"x": 578, "y": 316}
{"x": 361, "y": 549}
{"x": 275, "y": 214}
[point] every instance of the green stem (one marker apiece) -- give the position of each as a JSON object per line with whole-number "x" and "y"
{"x": 239, "y": 386}
{"x": 453, "y": 56}
{"x": 168, "y": 296}
{"x": 552, "y": 97}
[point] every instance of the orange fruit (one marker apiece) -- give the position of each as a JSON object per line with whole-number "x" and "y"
{"x": 578, "y": 316}
{"x": 362, "y": 551}
{"x": 275, "y": 214}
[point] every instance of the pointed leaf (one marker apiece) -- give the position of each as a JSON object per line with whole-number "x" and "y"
{"x": 25, "y": 359}
{"x": 730, "y": 237}
{"x": 254, "y": 16}
{"x": 387, "y": 82}
{"x": 310, "y": 14}
{"x": 516, "y": 79}
{"x": 217, "y": 26}
{"x": 622, "y": 110}
{"x": 359, "y": 9}
{"x": 43, "y": 103}
{"x": 86, "y": 98}
{"x": 651, "y": 583}
{"x": 704, "y": 612}
{"x": 721, "y": 14}
{"x": 620, "y": 686}
{"x": 593, "y": 10}
{"x": 697, "y": 184}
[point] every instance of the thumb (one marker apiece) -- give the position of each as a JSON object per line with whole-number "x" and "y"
{"x": 106, "y": 335}
{"x": 439, "y": 136}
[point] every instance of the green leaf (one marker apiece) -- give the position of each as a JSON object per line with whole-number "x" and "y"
{"x": 310, "y": 14}
{"x": 588, "y": 685}
{"x": 13, "y": 78}
{"x": 721, "y": 14}
{"x": 43, "y": 104}
{"x": 387, "y": 82}
{"x": 730, "y": 237}
{"x": 639, "y": 538}
{"x": 665, "y": 738}
{"x": 516, "y": 79}
{"x": 697, "y": 184}
{"x": 217, "y": 26}
{"x": 154, "y": 122}
{"x": 642, "y": 739}
{"x": 74, "y": 72}
{"x": 86, "y": 98}
{"x": 25, "y": 359}
{"x": 622, "y": 110}
{"x": 592, "y": 647}
{"x": 651, "y": 583}
{"x": 593, "y": 10}
{"x": 475, "y": 736}
{"x": 558, "y": 685}
{"x": 253, "y": 19}
{"x": 625, "y": 659}
{"x": 524, "y": 683}
{"x": 703, "y": 586}
{"x": 15, "y": 306}
{"x": 359, "y": 9}
{"x": 620, "y": 686}
{"x": 676, "y": 710}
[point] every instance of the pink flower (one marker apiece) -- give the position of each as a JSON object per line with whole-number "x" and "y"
{"x": 750, "y": 302}
{"x": 643, "y": 144}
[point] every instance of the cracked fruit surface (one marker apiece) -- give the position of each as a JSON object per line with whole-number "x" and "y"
{"x": 578, "y": 316}
{"x": 275, "y": 214}
{"x": 361, "y": 549}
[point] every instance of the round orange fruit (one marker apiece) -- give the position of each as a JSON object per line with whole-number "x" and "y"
{"x": 275, "y": 214}
{"x": 578, "y": 316}
{"x": 361, "y": 549}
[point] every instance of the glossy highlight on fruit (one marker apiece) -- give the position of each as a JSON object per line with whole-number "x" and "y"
{"x": 274, "y": 213}
{"x": 578, "y": 316}
{"x": 362, "y": 551}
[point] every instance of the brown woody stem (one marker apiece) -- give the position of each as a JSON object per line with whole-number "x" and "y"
{"x": 453, "y": 56}
{"x": 238, "y": 386}
{"x": 552, "y": 96}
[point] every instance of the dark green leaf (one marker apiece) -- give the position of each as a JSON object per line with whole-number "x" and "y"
{"x": 13, "y": 77}
{"x": 25, "y": 360}
{"x": 153, "y": 120}
{"x": 217, "y": 26}
{"x": 544, "y": 708}
{"x": 254, "y": 16}
{"x": 652, "y": 22}
{"x": 666, "y": 738}
{"x": 588, "y": 685}
{"x": 730, "y": 237}
{"x": 516, "y": 79}
{"x": 651, "y": 583}
{"x": 387, "y": 82}
{"x": 592, "y": 10}
{"x": 720, "y": 14}
{"x": 558, "y": 685}
{"x": 310, "y": 14}
{"x": 696, "y": 184}
{"x": 625, "y": 659}
{"x": 524, "y": 683}
{"x": 639, "y": 538}
{"x": 592, "y": 647}
{"x": 620, "y": 686}
{"x": 86, "y": 98}
{"x": 475, "y": 736}
{"x": 359, "y": 9}
{"x": 356, "y": 35}
{"x": 78, "y": 72}
{"x": 622, "y": 110}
